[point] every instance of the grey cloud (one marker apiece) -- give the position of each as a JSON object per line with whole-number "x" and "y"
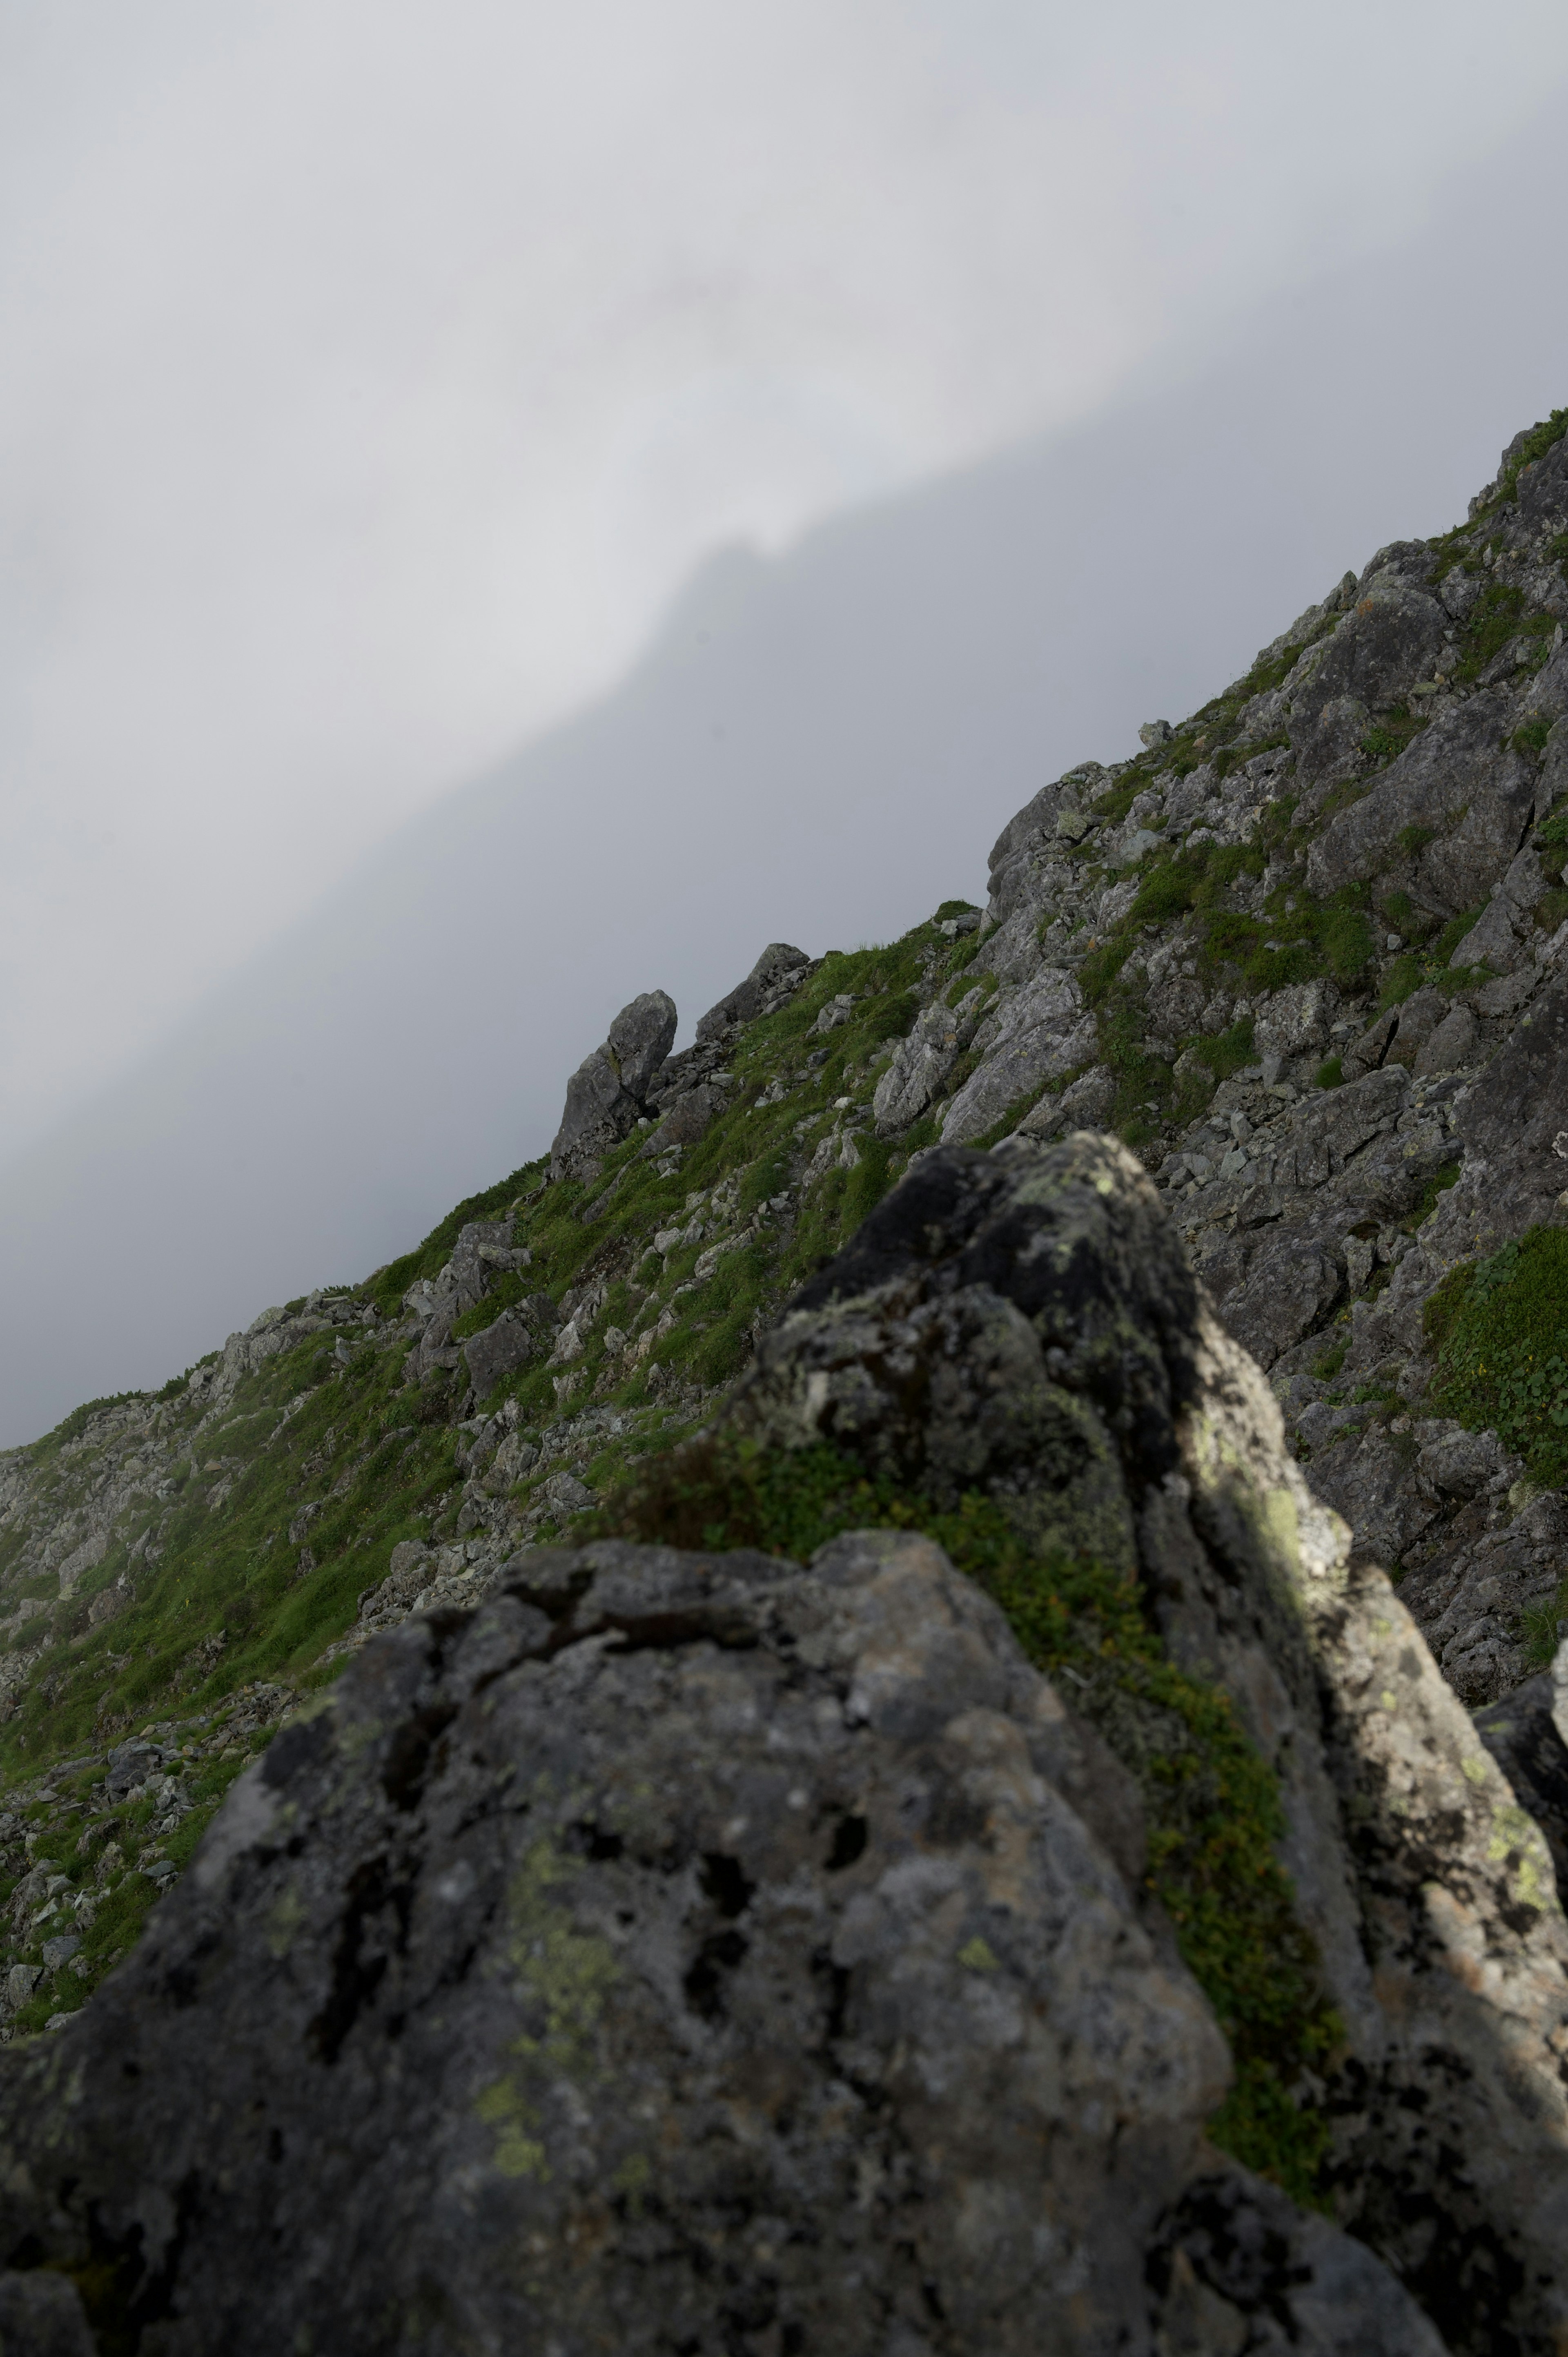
{"x": 817, "y": 748}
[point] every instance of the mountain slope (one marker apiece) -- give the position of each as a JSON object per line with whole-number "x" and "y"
{"x": 1302, "y": 953}
{"x": 890, "y": 690}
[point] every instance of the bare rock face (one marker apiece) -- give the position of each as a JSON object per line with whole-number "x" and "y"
{"x": 681, "y": 1953}
{"x": 778, "y": 973}
{"x": 606, "y": 1093}
{"x": 709, "y": 1953}
{"x": 1025, "y": 1323}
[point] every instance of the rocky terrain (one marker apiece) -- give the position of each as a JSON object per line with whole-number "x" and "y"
{"x": 1148, "y": 1878}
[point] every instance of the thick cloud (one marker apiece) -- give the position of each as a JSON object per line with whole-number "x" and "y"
{"x": 818, "y": 748}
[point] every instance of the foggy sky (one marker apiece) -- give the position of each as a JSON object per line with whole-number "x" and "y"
{"x": 376, "y": 370}
{"x": 258, "y": 642}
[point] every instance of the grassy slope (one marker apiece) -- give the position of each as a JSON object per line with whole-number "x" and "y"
{"x": 232, "y": 1603}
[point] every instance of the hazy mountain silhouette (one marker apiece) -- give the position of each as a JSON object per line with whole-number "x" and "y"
{"x": 818, "y": 749}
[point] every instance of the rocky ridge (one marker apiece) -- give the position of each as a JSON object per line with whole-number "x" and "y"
{"x": 1303, "y": 952}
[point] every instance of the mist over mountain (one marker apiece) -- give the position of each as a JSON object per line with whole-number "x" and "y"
{"x": 816, "y": 749}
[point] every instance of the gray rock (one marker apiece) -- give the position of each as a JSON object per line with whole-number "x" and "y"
{"x": 607, "y": 1095}
{"x": 922, "y": 1060}
{"x": 1457, "y": 1461}
{"x": 60, "y": 1951}
{"x": 1509, "y": 1125}
{"x": 41, "y": 2316}
{"x": 1386, "y": 643}
{"x": 1292, "y": 1021}
{"x": 512, "y": 1341}
{"x": 1460, "y": 782}
{"x": 835, "y": 1012}
{"x": 1507, "y": 995}
{"x": 130, "y": 1764}
{"x": 21, "y": 1980}
{"x": 1042, "y": 1034}
{"x": 1156, "y": 732}
{"x": 1418, "y": 1018}
{"x": 1522, "y": 1737}
{"x": 1240, "y": 2270}
{"x": 410, "y": 1572}
{"x": 1086, "y": 1103}
{"x": 690, "y": 1117}
{"x": 1449, "y": 1044}
{"x": 1025, "y": 1324}
{"x": 763, "y": 1935}
{"x": 780, "y": 969}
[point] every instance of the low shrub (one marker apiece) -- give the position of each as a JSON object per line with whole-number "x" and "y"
{"x": 1500, "y": 1329}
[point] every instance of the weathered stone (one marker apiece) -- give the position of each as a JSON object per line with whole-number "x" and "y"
{"x": 1043, "y": 1033}
{"x": 1419, "y": 1017}
{"x": 1384, "y": 644}
{"x": 764, "y": 1933}
{"x": 1295, "y": 1020}
{"x": 508, "y": 1343}
{"x": 1509, "y": 1125}
{"x": 922, "y": 1060}
{"x": 1522, "y": 1737}
{"x": 1458, "y": 783}
{"x": 1240, "y": 2270}
{"x": 690, "y": 1117}
{"x": 41, "y": 2316}
{"x": 1449, "y": 1044}
{"x": 1276, "y": 1289}
{"x": 1410, "y": 1854}
{"x": 780, "y": 968}
{"x": 606, "y": 1093}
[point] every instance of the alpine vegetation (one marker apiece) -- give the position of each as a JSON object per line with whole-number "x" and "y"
{"x": 901, "y": 1699}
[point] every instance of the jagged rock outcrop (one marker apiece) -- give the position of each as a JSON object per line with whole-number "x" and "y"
{"x": 607, "y": 1095}
{"x": 1025, "y": 1324}
{"x": 1308, "y": 952}
{"x": 443, "y": 1893}
{"x": 707, "y": 1951}
{"x": 776, "y": 974}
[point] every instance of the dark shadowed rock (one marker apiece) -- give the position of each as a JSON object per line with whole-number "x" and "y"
{"x": 1376, "y": 653}
{"x": 720, "y": 1923}
{"x": 702, "y": 1953}
{"x": 510, "y": 1341}
{"x": 606, "y": 1093}
{"x": 1025, "y": 1323}
{"x": 1462, "y": 787}
{"x": 778, "y": 970}
{"x": 41, "y": 2316}
{"x": 1522, "y": 1734}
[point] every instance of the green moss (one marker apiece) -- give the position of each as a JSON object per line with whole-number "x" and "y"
{"x": 1215, "y": 1818}
{"x": 1388, "y": 737}
{"x": 1440, "y": 951}
{"x": 1330, "y": 1072}
{"x": 1427, "y": 1201}
{"x": 1227, "y": 1051}
{"x": 1531, "y": 735}
{"x": 1498, "y": 615}
{"x": 1537, "y": 443}
{"x": 1326, "y": 1367}
{"x": 388, "y": 1284}
{"x": 1500, "y": 1330}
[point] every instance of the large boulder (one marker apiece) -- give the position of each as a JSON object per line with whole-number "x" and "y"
{"x": 778, "y": 972}
{"x": 681, "y": 1953}
{"x": 607, "y": 1095}
{"x": 1024, "y": 1324}
{"x": 713, "y": 1953}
